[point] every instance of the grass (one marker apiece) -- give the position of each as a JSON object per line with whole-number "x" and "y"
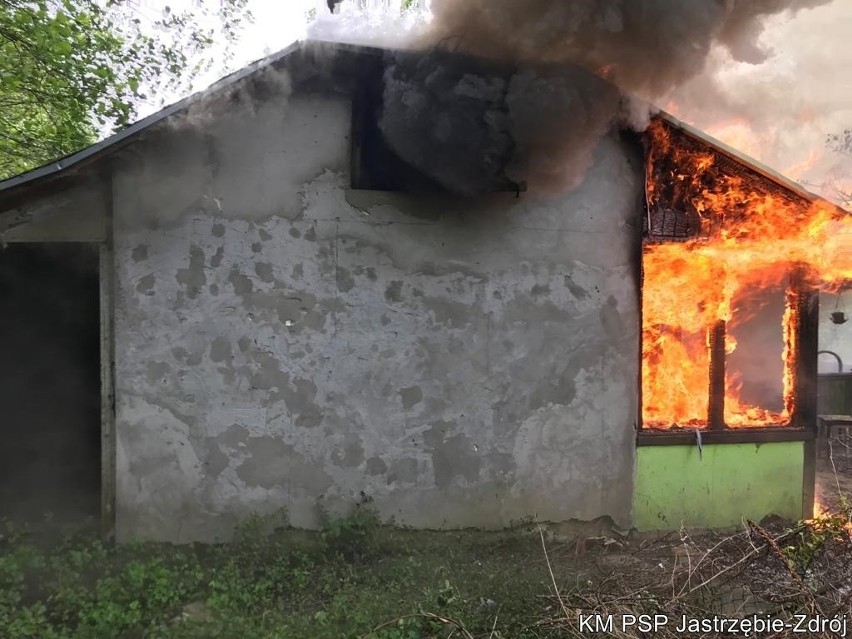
{"x": 354, "y": 578}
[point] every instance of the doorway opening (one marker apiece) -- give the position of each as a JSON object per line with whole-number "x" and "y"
{"x": 50, "y": 383}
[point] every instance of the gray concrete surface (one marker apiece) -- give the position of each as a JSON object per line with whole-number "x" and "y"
{"x": 284, "y": 341}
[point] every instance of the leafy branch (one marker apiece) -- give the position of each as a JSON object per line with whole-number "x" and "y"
{"x": 71, "y": 68}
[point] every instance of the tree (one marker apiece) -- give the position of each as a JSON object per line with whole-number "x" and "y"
{"x": 840, "y": 142}
{"x": 72, "y": 68}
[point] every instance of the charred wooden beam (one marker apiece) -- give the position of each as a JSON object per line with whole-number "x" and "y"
{"x": 686, "y": 437}
{"x": 803, "y": 299}
{"x": 716, "y": 402}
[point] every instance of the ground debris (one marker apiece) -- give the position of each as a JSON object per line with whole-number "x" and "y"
{"x": 784, "y": 573}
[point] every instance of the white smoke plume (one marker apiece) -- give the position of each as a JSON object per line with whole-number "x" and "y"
{"x": 781, "y": 110}
{"x": 378, "y": 23}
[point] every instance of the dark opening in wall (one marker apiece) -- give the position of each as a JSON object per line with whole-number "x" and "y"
{"x": 49, "y": 382}
{"x": 450, "y": 132}
{"x": 373, "y": 165}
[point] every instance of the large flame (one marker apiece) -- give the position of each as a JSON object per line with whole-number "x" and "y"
{"x": 746, "y": 234}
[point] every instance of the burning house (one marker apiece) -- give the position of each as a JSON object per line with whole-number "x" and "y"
{"x": 349, "y": 272}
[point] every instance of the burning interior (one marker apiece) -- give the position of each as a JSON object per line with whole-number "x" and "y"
{"x": 731, "y": 265}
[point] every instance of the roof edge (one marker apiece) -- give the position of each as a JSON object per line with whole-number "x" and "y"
{"x": 741, "y": 158}
{"x": 116, "y": 140}
{"x": 103, "y": 146}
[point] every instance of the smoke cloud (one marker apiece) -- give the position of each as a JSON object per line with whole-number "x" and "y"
{"x": 646, "y": 47}
{"x": 780, "y": 111}
{"x": 539, "y": 123}
{"x": 474, "y": 130}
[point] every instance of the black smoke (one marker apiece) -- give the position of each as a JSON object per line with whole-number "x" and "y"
{"x": 475, "y": 127}
{"x": 538, "y": 119}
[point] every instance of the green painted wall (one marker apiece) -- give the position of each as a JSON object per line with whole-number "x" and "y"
{"x": 728, "y": 483}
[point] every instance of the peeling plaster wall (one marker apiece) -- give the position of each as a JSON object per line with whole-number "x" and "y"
{"x": 282, "y": 341}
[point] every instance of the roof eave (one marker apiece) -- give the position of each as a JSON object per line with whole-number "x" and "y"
{"x": 12, "y": 189}
{"x": 739, "y": 157}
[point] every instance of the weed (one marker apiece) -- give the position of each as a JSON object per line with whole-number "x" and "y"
{"x": 356, "y": 537}
{"x": 812, "y": 538}
{"x": 344, "y": 581}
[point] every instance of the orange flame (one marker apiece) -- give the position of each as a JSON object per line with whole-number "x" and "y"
{"x": 797, "y": 171}
{"x": 739, "y": 134}
{"x": 824, "y": 517}
{"x": 748, "y": 234}
{"x": 607, "y": 70}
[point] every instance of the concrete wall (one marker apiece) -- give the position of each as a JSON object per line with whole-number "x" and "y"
{"x": 282, "y": 341}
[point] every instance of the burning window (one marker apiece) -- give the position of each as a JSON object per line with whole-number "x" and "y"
{"x": 730, "y": 264}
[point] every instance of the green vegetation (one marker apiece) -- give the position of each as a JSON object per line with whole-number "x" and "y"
{"x": 354, "y": 578}
{"x": 810, "y": 541}
{"x": 69, "y": 68}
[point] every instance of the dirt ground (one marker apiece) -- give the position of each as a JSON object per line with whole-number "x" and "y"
{"x": 834, "y": 472}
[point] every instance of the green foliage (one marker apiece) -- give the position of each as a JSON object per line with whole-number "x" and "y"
{"x": 273, "y": 582}
{"x": 813, "y": 536}
{"x": 71, "y": 67}
{"x": 409, "y": 627}
{"x": 355, "y": 537}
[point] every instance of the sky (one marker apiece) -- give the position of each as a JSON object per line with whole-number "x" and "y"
{"x": 778, "y": 112}
{"x": 781, "y": 111}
